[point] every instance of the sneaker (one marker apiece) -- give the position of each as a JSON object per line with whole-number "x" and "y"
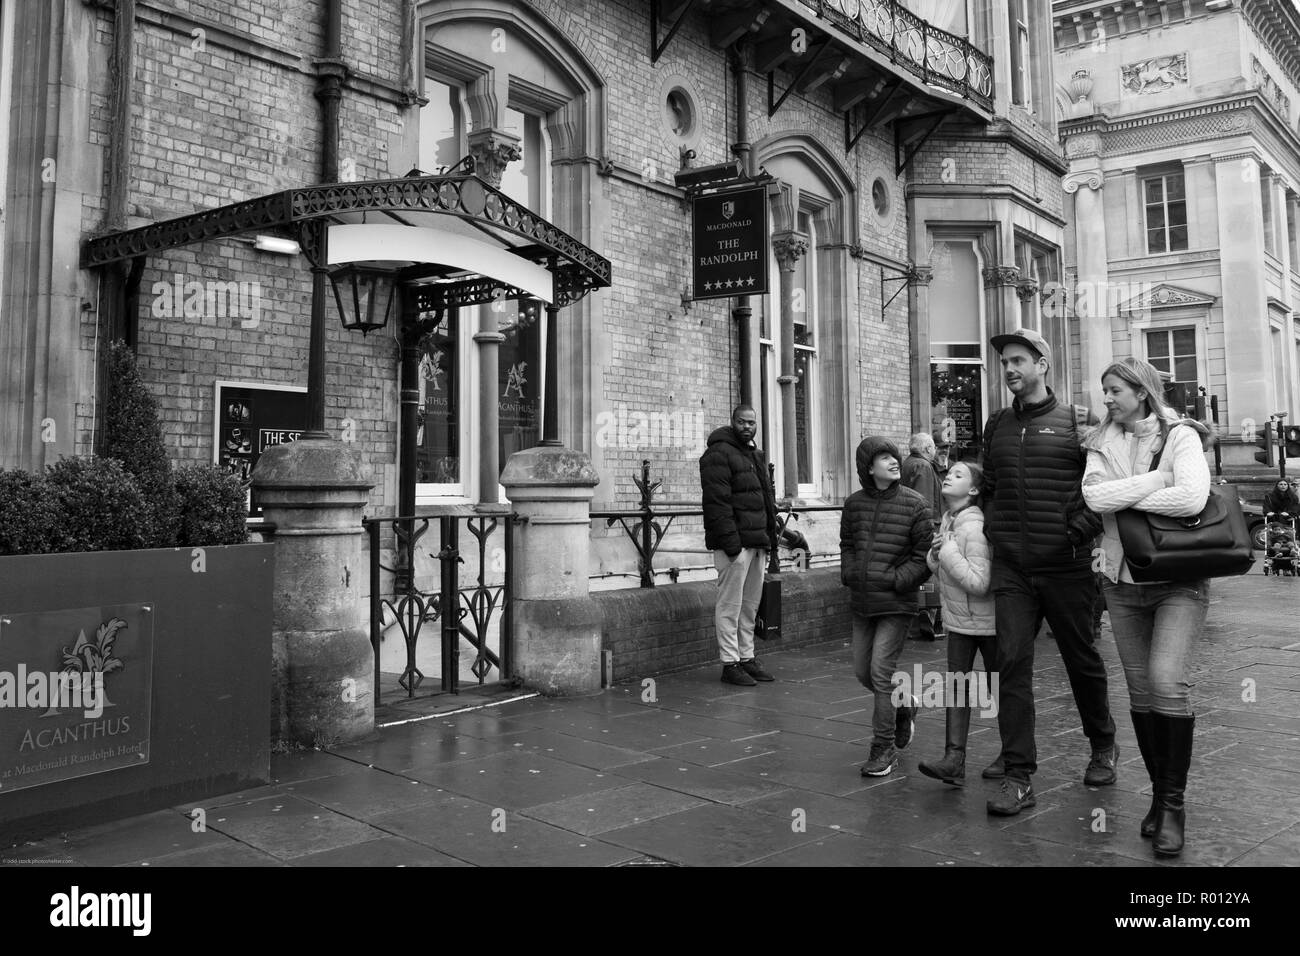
{"x": 755, "y": 670}
{"x": 905, "y": 724}
{"x": 735, "y": 674}
{"x": 1015, "y": 795}
{"x": 994, "y": 771}
{"x": 881, "y": 762}
{"x": 1101, "y": 768}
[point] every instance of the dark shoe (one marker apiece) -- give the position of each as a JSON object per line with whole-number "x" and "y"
{"x": 1173, "y": 740}
{"x": 735, "y": 674}
{"x": 755, "y": 670}
{"x": 905, "y": 723}
{"x": 1101, "y": 768}
{"x": 994, "y": 771}
{"x": 1015, "y": 795}
{"x": 881, "y": 762}
{"x": 1146, "y": 743}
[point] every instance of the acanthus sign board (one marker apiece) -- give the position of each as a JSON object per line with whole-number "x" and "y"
{"x": 729, "y": 254}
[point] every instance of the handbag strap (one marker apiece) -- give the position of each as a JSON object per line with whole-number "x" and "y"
{"x": 1165, "y": 432}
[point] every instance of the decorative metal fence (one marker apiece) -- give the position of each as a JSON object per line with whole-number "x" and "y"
{"x": 646, "y": 525}
{"x": 936, "y": 56}
{"x": 464, "y": 611}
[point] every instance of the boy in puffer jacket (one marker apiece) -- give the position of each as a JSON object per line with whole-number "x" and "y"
{"x": 960, "y": 560}
{"x": 885, "y": 531}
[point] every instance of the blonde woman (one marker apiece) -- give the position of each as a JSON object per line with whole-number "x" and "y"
{"x": 1156, "y": 625}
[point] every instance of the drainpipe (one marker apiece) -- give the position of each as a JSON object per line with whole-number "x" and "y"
{"x": 330, "y": 72}
{"x": 741, "y": 313}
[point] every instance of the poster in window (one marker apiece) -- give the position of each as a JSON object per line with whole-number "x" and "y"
{"x": 519, "y": 379}
{"x": 437, "y": 442}
{"x": 957, "y": 408}
{"x": 249, "y": 421}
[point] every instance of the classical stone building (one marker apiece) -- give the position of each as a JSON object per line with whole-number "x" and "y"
{"x": 1180, "y": 123}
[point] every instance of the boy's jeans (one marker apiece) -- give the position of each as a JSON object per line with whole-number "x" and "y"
{"x": 877, "y": 642}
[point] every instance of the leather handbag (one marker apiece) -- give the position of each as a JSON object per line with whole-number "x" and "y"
{"x": 1213, "y": 544}
{"x": 767, "y": 624}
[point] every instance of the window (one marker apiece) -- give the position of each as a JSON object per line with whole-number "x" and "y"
{"x": 958, "y": 387}
{"x": 1021, "y": 84}
{"x": 1174, "y": 351}
{"x": 1166, "y": 213}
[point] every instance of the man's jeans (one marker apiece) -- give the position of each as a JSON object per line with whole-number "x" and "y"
{"x": 877, "y": 642}
{"x": 740, "y": 588}
{"x": 1021, "y": 602}
{"x": 1156, "y": 628}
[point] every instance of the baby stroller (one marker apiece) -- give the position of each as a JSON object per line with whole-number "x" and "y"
{"x": 1280, "y": 544}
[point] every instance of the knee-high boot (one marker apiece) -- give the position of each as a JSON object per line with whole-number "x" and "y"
{"x": 1150, "y": 756}
{"x": 952, "y": 768}
{"x": 1173, "y": 738}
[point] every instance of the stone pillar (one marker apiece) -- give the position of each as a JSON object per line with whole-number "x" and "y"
{"x": 1290, "y": 397}
{"x": 557, "y": 625}
{"x": 322, "y": 685}
{"x": 1247, "y": 352}
{"x": 1091, "y": 298}
{"x": 492, "y": 150}
{"x": 918, "y": 308}
{"x": 789, "y": 247}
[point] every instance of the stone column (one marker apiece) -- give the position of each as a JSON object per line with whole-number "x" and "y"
{"x": 1247, "y": 351}
{"x": 557, "y": 625}
{"x": 1290, "y": 397}
{"x": 1090, "y": 298}
{"x": 322, "y": 685}
{"x": 789, "y": 247}
{"x": 492, "y": 150}
{"x": 918, "y": 307}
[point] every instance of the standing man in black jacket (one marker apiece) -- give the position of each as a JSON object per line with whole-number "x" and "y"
{"x": 740, "y": 528}
{"x": 1041, "y": 533}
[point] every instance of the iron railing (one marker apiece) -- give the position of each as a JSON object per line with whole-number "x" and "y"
{"x": 465, "y": 613}
{"x": 646, "y": 526}
{"x": 938, "y": 57}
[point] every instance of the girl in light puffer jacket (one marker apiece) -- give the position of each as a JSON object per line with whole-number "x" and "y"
{"x": 961, "y": 562}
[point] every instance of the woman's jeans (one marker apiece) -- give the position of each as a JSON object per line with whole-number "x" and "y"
{"x": 877, "y": 642}
{"x": 1156, "y": 627}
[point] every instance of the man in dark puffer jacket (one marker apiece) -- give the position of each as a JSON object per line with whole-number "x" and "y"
{"x": 885, "y": 532}
{"x": 740, "y": 528}
{"x": 1042, "y": 536}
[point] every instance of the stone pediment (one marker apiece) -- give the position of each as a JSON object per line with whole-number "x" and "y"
{"x": 1166, "y": 296}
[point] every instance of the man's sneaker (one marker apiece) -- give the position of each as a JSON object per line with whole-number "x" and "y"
{"x": 1015, "y": 795}
{"x": 1101, "y": 768}
{"x": 755, "y": 670}
{"x": 905, "y": 723}
{"x": 995, "y": 770}
{"x": 881, "y": 762}
{"x": 735, "y": 674}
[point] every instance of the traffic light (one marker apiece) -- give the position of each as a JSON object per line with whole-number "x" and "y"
{"x": 1264, "y": 439}
{"x": 1291, "y": 435}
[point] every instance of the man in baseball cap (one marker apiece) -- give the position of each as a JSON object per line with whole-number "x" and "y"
{"x": 1041, "y": 532}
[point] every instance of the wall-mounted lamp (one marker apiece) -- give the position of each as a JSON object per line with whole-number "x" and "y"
{"x": 276, "y": 244}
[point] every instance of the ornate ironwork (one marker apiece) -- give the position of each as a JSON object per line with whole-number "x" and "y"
{"x": 463, "y": 613}
{"x": 464, "y": 196}
{"x": 938, "y": 57}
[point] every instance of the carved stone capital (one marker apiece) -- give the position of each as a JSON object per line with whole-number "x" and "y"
{"x": 920, "y": 275}
{"x": 493, "y": 150}
{"x": 789, "y": 247}
{"x": 1026, "y": 289}
{"x": 998, "y": 276}
{"x": 1091, "y": 178}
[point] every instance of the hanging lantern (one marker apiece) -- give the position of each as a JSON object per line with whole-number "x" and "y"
{"x": 366, "y": 296}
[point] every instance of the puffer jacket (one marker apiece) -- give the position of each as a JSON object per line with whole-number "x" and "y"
{"x": 963, "y": 567}
{"x": 1034, "y": 512}
{"x": 739, "y": 509}
{"x": 884, "y": 536}
{"x": 922, "y": 476}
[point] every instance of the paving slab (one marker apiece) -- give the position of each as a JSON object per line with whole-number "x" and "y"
{"x": 712, "y": 835}
{"x": 610, "y": 809}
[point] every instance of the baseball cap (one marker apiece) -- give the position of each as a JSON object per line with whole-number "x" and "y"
{"x": 1026, "y": 337}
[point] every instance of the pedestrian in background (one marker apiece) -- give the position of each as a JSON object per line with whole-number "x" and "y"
{"x": 1281, "y": 499}
{"x": 740, "y": 528}
{"x": 885, "y": 532}
{"x": 920, "y": 472}
{"x": 1041, "y": 531}
{"x": 1156, "y": 625}
{"x": 962, "y": 564}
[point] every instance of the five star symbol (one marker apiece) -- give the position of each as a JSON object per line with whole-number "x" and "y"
{"x": 729, "y": 284}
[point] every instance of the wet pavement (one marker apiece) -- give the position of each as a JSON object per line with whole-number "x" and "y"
{"x": 688, "y": 771}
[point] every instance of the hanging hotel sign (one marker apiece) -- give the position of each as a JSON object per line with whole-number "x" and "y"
{"x": 729, "y": 254}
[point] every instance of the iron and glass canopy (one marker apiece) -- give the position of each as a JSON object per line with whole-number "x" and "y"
{"x": 487, "y": 237}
